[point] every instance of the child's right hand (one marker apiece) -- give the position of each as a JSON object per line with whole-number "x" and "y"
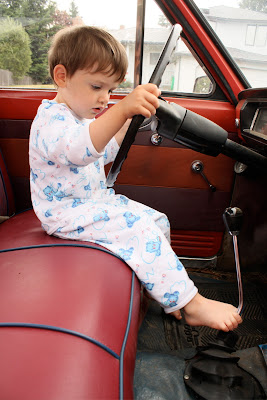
{"x": 142, "y": 100}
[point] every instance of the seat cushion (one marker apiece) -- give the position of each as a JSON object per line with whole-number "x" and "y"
{"x": 69, "y": 314}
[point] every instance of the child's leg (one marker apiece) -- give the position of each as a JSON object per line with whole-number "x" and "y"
{"x": 162, "y": 222}
{"x": 131, "y": 231}
{"x": 202, "y": 311}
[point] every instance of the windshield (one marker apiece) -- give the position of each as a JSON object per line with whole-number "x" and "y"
{"x": 241, "y": 25}
{"x": 27, "y": 26}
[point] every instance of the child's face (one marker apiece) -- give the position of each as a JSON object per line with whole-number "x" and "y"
{"x": 87, "y": 93}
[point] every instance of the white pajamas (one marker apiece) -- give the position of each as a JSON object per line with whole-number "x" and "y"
{"x": 72, "y": 201}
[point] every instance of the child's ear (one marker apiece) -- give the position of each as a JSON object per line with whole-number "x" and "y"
{"x": 60, "y": 75}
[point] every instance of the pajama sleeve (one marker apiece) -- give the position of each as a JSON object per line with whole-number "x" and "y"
{"x": 66, "y": 140}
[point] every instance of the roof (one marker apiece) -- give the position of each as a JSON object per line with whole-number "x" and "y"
{"x": 160, "y": 35}
{"x": 246, "y": 55}
{"x": 152, "y": 35}
{"x": 232, "y": 13}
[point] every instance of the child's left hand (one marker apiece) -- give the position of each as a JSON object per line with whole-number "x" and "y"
{"x": 142, "y": 100}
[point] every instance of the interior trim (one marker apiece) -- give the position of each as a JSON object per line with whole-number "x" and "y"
{"x": 61, "y": 330}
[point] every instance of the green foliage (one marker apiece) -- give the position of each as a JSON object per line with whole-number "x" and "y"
{"x": 41, "y": 20}
{"x": 38, "y": 24}
{"x": 74, "y": 12}
{"x": 126, "y": 84}
{"x": 255, "y": 5}
{"x": 15, "y": 53}
{"x": 10, "y": 8}
{"x": 163, "y": 21}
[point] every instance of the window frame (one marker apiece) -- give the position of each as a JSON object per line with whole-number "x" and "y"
{"x": 252, "y": 41}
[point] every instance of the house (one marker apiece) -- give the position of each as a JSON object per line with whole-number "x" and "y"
{"x": 243, "y": 32}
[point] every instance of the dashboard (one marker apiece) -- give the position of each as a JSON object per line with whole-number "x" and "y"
{"x": 253, "y": 119}
{"x": 259, "y": 123}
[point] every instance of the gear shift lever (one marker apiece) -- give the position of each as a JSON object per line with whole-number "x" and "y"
{"x": 214, "y": 372}
{"x": 233, "y": 219}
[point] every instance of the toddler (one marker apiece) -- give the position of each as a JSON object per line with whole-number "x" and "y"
{"x": 68, "y": 150}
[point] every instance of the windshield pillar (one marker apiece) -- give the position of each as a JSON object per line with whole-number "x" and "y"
{"x": 139, "y": 41}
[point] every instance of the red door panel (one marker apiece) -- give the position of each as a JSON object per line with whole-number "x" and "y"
{"x": 159, "y": 176}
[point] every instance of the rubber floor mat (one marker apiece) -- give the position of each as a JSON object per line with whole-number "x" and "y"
{"x": 165, "y": 343}
{"x": 162, "y": 332}
{"x": 160, "y": 376}
{"x": 251, "y": 332}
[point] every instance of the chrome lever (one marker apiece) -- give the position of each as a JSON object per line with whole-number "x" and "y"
{"x": 233, "y": 219}
{"x": 197, "y": 167}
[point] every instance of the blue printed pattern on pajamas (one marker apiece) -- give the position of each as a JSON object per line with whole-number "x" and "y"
{"x": 71, "y": 199}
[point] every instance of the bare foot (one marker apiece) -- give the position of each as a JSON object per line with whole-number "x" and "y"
{"x": 205, "y": 312}
{"x": 177, "y": 314}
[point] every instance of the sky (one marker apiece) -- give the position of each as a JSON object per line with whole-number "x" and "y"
{"x": 106, "y": 13}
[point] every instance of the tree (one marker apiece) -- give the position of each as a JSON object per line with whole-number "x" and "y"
{"x": 62, "y": 19}
{"x": 10, "y": 8}
{"x": 74, "y": 12}
{"x": 163, "y": 21}
{"x": 38, "y": 24}
{"x": 15, "y": 53}
{"x": 255, "y": 5}
{"x": 41, "y": 20}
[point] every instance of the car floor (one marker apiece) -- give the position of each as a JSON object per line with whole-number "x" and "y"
{"x": 165, "y": 345}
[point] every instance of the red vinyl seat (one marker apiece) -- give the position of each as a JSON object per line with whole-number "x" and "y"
{"x": 7, "y": 204}
{"x": 69, "y": 317}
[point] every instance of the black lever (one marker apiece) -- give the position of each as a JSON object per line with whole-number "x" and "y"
{"x": 233, "y": 219}
{"x": 198, "y": 167}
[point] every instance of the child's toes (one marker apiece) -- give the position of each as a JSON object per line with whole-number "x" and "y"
{"x": 236, "y": 322}
{"x": 177, "y": 314}
{"x": 239, "y": 319}
{"x": 231, "y": 325}
{"x": 224, "y": 327}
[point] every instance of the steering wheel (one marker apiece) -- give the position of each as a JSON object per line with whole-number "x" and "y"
{"x": 137, "y": 120}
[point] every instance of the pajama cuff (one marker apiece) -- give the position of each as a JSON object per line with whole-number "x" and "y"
{"x": 185, "y": 301}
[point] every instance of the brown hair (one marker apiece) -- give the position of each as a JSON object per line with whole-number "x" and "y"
{"x": 87, "y": 47}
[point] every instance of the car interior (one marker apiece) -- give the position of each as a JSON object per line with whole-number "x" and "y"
{"x": 75, "y": 322}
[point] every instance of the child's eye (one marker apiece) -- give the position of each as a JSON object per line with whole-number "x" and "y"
{"x": 95, "y": 87}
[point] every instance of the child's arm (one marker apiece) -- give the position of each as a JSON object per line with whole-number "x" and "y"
{"x": 142, "y": 100}
{"x": 121, "y": 133}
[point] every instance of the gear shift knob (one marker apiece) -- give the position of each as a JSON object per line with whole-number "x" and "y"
{"x": 233, "y": 219}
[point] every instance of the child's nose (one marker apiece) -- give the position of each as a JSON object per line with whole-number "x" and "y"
{"x": 104, "y": 97}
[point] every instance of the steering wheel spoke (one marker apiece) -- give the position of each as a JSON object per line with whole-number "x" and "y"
{"x": 137, "y": 120}
{"x": 124, "y": 149}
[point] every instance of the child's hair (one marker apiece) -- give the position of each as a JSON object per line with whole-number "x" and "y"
{"x": 87, "y": 47}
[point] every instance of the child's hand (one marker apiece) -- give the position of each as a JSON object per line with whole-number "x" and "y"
{"x": 142, "y": 100}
